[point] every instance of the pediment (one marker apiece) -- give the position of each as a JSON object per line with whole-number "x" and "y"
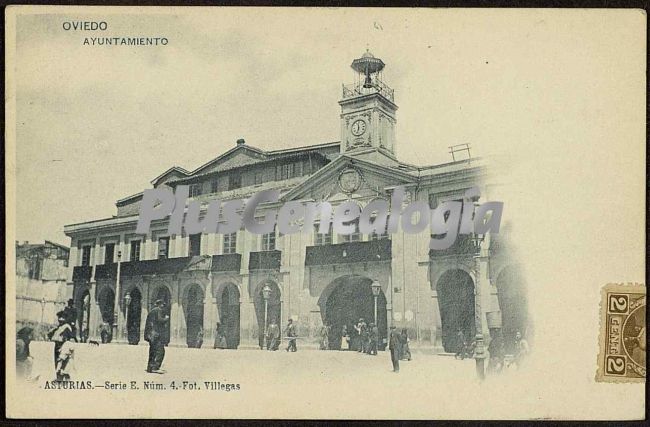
{"x": 327, "y": 185}
{"x": 238, "y": 156}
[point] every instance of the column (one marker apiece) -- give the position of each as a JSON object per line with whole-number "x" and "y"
{"x": 436, "y": 327}
{"x": 209, "y": 322}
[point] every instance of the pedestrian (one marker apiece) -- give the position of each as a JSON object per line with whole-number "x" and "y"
{"x": 521, "y": 349}
{"x": 362, "y": 331}
{"x": 154, "y": 331}
{"x": 104, "y": 332}
{"x": 219, "y": 338}
{"x": 273, "y": 338}
{"x": 324, "y": 337}
{"x": 65, "y": 361}
{"x": 292, "y": 336}
{"x": 496, "y": 348}
{"x": 24, "y": 360}
{"x": 199, "y": 338}
{"x": 395, "y": 347}
{"x": 70, "y": 314}
{"x": 461, "y": 344}
{"x": 60, "y": 335}
{"x": 345, "y": 337}
{"x": 406, "y": 351}
{"x": 373, "y": 336}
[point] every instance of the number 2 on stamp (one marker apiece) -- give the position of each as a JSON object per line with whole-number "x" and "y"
{"x": 618, "y": 303}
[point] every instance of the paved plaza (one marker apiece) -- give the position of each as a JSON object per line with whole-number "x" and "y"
{"x": 270, "y": 383}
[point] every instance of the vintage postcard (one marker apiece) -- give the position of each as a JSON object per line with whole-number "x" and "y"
{"x": 623, "y": 341}
{"x": 293, "y": 213}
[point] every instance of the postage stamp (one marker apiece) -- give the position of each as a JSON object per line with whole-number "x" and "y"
{"x": 622, "y": 339}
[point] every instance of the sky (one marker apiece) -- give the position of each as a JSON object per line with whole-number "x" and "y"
{"x": 554, "y": 99}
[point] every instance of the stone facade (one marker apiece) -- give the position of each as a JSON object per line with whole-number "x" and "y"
{"x": 313, "y": 279}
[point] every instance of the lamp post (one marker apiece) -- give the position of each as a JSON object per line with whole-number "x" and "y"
{"x": 127, "y": 303}
{"x": 479, "y": 351}
{"x": 116, "y": 300}
{"x": 376, "y": 288}
{"x": 266, "y": 293}
{"x": 42, "y": 309}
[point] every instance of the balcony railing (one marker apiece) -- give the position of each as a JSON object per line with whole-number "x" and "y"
{"x": 357, "y": 89}
{"x": 226, "y": 262}
{"x": 265, "y": 260}
{"x": 82, "y": 273}
{"x": 351, "y": 252}
{"x": 464, "y": 245}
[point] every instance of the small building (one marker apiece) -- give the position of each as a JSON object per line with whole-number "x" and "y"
{"x": 41, "y": 282}
{"x": 312, "y": 278}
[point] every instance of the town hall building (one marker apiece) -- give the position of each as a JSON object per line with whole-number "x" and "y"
{"x": 243, "y": 282}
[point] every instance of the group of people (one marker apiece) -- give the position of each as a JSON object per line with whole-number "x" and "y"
{"x": 498, "y": 359}
{"x": 272, "y": 336}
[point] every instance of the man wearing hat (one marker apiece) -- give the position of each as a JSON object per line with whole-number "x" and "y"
{"x": 154, "y": 333}
{"x": 395, "y": 347}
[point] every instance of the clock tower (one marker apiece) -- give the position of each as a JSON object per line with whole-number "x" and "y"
{"x": 368, "y": 110}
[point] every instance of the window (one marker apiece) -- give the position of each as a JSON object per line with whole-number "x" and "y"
{"x": 85, "y": 255}
{"x": 230, "y": 243}
{"x": 214, "y": 185}
{"x": 135, "y": 250}
{"x": 285, "y": 171}
{"x": 163, "y": 248}
{"x": 195, "y": 244}
{"x": 195, "y": 190}
{"x": 375, "y": 236}
{"x": 259, "y": 178}
{"x": 268, "y": 241}
{"x": 234, "y": 182}
{"x": 433, "y": 201}
{"x": 109, "y": 253}
{"x": 353, "y": 237}
{"x": 322, "y": 239}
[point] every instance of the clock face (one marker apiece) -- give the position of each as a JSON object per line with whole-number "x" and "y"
{"x": 358, "y": 128}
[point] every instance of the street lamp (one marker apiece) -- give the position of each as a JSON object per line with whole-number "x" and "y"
{"x": 479, "y": 351}
{"x": 116, "y": 300}
{"x": 266, "y": 293}
{"x": 127, "y": 303}
{"x": 376, "y": 288}
{"x": 42, "y": 309}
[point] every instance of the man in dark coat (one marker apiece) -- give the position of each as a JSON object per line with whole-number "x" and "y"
{"x": 373, "y": 336}
{"x": 154, "y": 333}
{"x": 395, "y": 347}
{"x": 292, "y": 336}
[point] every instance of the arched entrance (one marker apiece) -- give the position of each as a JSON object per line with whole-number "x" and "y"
{"x": 134, "y": 311}
{"x": 84, "y": 319}
{"x": 229, "y": 315}
{"x": 456, "y": 301}
{"x": 163, "y": 293}
{"x": 512, "y": 303}
{"x": 274, "y": 308}
{"x": 344, "y": 302}
{"x": 105, "y": 300}
{"x": 193, "y": 306}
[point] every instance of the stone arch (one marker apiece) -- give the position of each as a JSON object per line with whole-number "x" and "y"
{"x": 163, "y": 291}
{"x": 228, "y": 296}
{"x": 106, "y": 301}
{"x": 455, "y": 289}
{"x": 347, "y": 299}
{"x": 435, "y": 273}
{"x": 274, "y": 313}
{"x": 193, "y": 307}
{"x": 511, "y": 290}
{"x": 133, "y": 313}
